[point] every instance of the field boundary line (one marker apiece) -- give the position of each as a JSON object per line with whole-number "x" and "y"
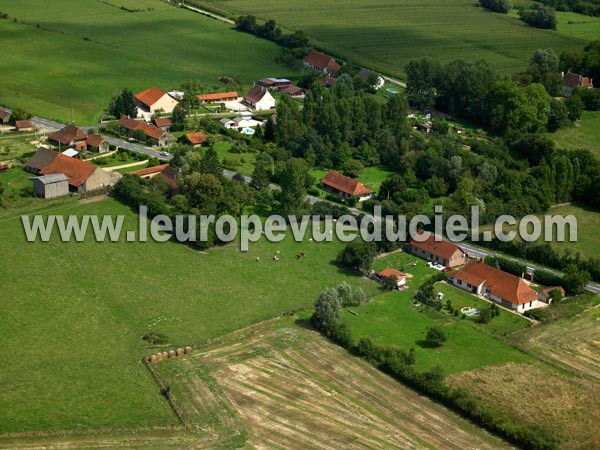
{"x": 166, "y": 392}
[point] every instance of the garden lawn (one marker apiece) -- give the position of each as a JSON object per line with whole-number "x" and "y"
{"x": 390, "y": 319}
{"x": 238, "y": 162}
{"x": 584, "y": 134}
{"x": 73, "y": 316}
{"x": 386, "y": 35}
{"x": 71, "y": 57}
{"x": 15, "y": 146}
{"x": 505, "y": 323}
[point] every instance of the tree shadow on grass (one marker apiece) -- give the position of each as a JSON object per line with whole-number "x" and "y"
{"x": 426, "y": 344}
{"x": 305, "y": 323}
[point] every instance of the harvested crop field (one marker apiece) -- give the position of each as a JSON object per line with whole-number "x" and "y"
{"x": 573, "y": 342}
{"x": 287, "y": 387}
{"x": 568, "y": 406}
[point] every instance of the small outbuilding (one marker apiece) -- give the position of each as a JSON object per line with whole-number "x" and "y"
{"x": 51, "y": 186}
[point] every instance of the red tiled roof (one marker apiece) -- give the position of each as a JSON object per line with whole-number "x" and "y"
{"x": 291, "y": 90}
{"x": 574, "y": 80}
{"x": 500, "y": 284}
{"x": 129, "y": 123}
{"x": 345, "y": 184}
{"x": 23, "y": 124}
{"x": 132, "y": 124}
{"x": 150, "y": 170}
{"x": 94, "y": 140}
{"x": 76, "y": 170}
{"x": 151, "y": 130}
{"x": 67, "y": 135}
{"x": 196, "y": 138}
{"x": 321, "y": 61}
{"x": 215, "y": 96}
{"x": 546, "y": 291}
{"x": 150, "y": 96}
{"x": 388, "y": 272}
{"x": 443, "y": 249}
{"x": 163, "y": 122}
{"x": 255, "y": 94}
{"x": 329, "y": 81}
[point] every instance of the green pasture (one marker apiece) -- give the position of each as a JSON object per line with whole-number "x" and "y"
{"x": 74, "y": 315}
{"x": 64, "y": 60}
{"x": 386, "y": 35}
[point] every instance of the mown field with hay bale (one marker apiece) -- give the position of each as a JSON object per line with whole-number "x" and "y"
{"x": 75, "y": 314}
{"x": 386, "y": 35}
{"x": 279, "y": 385}
{"x": 73, "y": 56}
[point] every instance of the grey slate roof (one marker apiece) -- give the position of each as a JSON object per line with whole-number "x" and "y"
{"x": 52, "y": 178}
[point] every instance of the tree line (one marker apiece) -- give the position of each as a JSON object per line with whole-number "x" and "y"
{"x": 400, "y": 364}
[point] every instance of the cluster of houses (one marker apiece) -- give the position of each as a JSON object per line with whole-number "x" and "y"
{"x": 73, "y": 139}
{"x": 58, "y": 174}
{"x": 325, "y": 64}
{"x": 19, "y": 125}
{"x": 155, "y": 133}
{"x": 477, "y": 277}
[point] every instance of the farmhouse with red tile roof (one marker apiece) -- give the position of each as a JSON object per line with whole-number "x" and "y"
{"x": 572, "y": 81}
{"x": 441, "y": 252}
{"x": 82, "y": 176}
{"x": 96, "y": 143}
{"x": 195, "y": 139}
{"x": 156, "y": 135}
{"x": 502, "y": 287}
{"x": 69, "y": 136}
{"x": 387, "y": 273}
{"x": 321, "y": 62}
{"x": 152, "y": 100}
{"x": 345, "y": 186}
{"x": 24, "y": 125}
{"x": 259, "y": 98}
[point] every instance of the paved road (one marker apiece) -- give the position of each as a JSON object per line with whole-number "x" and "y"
{"x": 471, "y": 249}
{"x": 50, "y": 126}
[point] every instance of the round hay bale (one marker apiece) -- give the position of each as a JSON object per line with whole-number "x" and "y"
{"x": 172, "y": 354}
{"x": 188, "y": 350}
{"x": 179, "y": 351}
{"x": 154, "y": 359}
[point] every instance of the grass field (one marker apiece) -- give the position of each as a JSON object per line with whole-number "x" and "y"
{"x": 391, "y": 319}
{"x": 584, "y": 134}
{"x": 14, "y": 146}
{"x": 278, "y": 385}
{"x": 570, "y": 407}
{"x": 386, "y": 35}
{"x": 588, "y": 238}
{"x": 501, "y": 325}
{"x": 573, "y": 342}
{"x": 238, "y": 162}
{"x": 72, "y": 330}
{"x": 56, "y": 69}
